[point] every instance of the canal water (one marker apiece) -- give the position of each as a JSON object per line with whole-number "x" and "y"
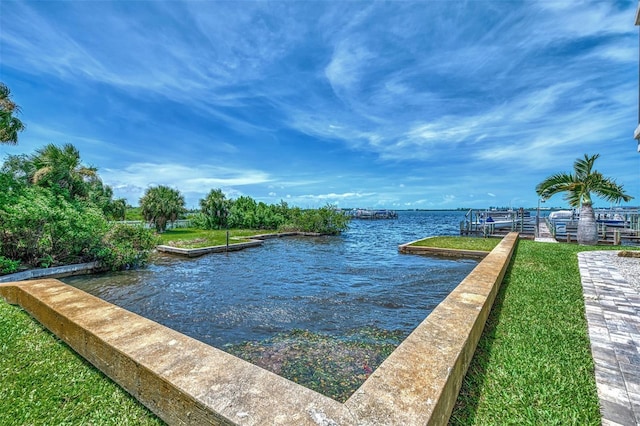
{"x": 331, "y": 285}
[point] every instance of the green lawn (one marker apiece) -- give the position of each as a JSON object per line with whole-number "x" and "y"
{"x": 460, "y": 243}
{"x": 533, "y": 364}
{"x": 196, "y": 238}
{"x": 43, "y": 382}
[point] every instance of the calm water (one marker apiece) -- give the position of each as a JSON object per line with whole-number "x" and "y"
{"x": 331, "y": 285}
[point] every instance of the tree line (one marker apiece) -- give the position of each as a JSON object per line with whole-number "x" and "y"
{"x": 161, "y": 205}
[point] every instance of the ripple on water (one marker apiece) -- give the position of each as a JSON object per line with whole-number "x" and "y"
{"x": 323, "y": 284}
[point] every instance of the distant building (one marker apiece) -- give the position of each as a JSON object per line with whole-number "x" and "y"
{"x": 636, "y": 134}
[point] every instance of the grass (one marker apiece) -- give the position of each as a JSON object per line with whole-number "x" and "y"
{"x": 196, "y": 238}
{"x": 42, "y": 381}
{"x": 533, "y": 364}
{"x": 459, "y": 243}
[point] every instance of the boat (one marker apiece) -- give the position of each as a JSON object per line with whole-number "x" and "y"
{"x": 372, "y": 214}
{"x": 501, "y": 219}
{"x": 611, "y": 218}
{"x": 562, "y": 215}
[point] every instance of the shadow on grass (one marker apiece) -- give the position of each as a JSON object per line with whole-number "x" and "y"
{"x": 465, "y": 409}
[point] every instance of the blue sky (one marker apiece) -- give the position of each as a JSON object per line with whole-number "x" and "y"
{"x": 428, "y": 105}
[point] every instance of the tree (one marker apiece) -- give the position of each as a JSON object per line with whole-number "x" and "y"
{"x": 242, "y": 213}
{"x": 60, "y": 169}
{"x": 118, "y": 209}
{"x": 579, "y": 186}
{"x": 20, "y": 167}
{"x": 160, "y": 205}
{"x": 10, "y": 126}
{"x": 215, "y": 209}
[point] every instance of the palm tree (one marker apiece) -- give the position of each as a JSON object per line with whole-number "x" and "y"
{"x": 118, "y": 209}
{"x": 215, "y": 208}
{"x": 160, "y": 205}
{"x": 9, "y": 125}
{"x": 578, "y": 187}
{"x": 60, "y": 168}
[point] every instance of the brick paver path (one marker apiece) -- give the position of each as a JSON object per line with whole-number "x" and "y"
{"x": 613, "y": 315}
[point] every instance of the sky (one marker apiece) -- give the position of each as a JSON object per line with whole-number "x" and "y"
{"x": 400, "y": 105}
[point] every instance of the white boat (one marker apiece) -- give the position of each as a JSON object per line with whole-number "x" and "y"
{"x": 499, "y": 219}
{"x": 561, "y": 215}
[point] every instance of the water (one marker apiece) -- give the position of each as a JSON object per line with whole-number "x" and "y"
{"x": 330, "y": 284}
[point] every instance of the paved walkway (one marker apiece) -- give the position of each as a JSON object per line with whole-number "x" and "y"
{"x": 544, "y": 235}
{"x": 613, "y": 315}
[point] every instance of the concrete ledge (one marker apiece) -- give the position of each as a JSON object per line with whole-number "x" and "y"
{"x": 56, "y": 272}
{"x": 419, "y": 382}
{"x": 185, "y": 381}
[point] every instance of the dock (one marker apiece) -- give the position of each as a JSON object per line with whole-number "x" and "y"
{"x": 498, "y": 223}
{"x": 625, "y": 230}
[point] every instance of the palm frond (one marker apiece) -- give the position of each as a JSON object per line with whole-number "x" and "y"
{"x": 608, "y": 189}
{"x": 584, "y": 166}
{"x": 555, "y": 184}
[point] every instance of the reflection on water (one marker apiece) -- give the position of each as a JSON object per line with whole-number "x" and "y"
{"x": 327, "y": 284}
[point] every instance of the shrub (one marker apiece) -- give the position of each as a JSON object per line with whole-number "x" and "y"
{"x": 325, "y": 220}
{"x": 8, "y": 266}
{"x": 42, "y": 229}
{"x": 126, "y": 246}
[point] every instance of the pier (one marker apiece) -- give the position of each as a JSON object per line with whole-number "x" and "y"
{"x": 615, "y": 227}
{"x": 498, "y": 223}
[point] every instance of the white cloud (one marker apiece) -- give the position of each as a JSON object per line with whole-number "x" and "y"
{"x": 135, "y": 178}
{"x": 333, "y": 196}
{"x": 347, "y": 65}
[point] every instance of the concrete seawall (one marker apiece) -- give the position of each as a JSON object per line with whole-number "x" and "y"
{"x": 55, "y": 272}
{"x": 185, "y": 381}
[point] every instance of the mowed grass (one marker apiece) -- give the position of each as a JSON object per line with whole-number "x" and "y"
{"x": 196, "y": 238}
{"x": 44, "y": 382}
{"x": 460, "y": 243}
{"x": 533, "y": 364}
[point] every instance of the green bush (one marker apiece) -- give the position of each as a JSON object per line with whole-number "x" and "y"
{"x": 126, "y": 246}
{"x": 325, "y": 220}
{"x": 42, "y": 229}
{"x": 8, "y": 266}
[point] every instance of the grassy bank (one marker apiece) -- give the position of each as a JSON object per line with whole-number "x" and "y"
{"x": 459, "y": 243}
{"x": 42, "y": 381}
{"x": 533, "y": 364}
{"x": 196, "y": 238}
